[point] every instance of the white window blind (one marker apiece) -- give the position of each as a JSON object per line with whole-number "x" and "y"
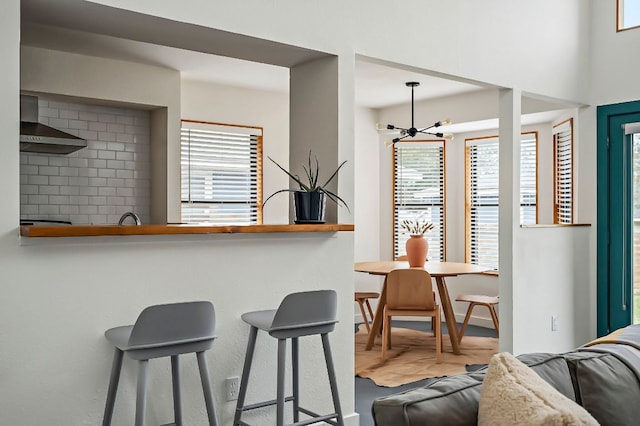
{"x": 221, "y": 174}
{"x": 418, "y": 192}
{"x": 482, "y": 205}
{"x": 563, "y": 172}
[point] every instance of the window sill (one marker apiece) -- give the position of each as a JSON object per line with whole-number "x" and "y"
{"x": 125, "y": 230}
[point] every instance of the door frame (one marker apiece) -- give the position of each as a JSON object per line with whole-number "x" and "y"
{"x": 604, "y": 237}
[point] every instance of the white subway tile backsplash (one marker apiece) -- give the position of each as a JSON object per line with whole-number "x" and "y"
{"x": 88, "y": 116}
{"x": 88, "y": 190}
{"x": 98, "y": 127}
{"x": 105, "y": 190}
{"x": 48, "y": 171}
{"x": 126, "y": 174}
{"x": 115, "y": 164}
{"x": 79, "y": 181}
{"x": 87, "y": 172}
{"x": 106, "y": 136}
{"x": 88, "y": 209}
{"x": 58, "y": 161}
{"x": 106, "y": 173}
{"x": 68, "y": 171}
{"x": 69, "y": 190}
{"x": 48, "y": 190}
{"x": 123, "y": 137}
{"x": 115, "y": 128}
{"x": 28, "y": 169}
{"x": 59, "y": 180}
{"x": 124, "y": 156}
{"x": 70, "y": 114}
{"x": 97, "y": 201}
{"x": 107, "y": 155}
{"x": 39, "y": 160}
{"x": 38, "y": 199}
{"x": 48, "y": 209}
{"x": 69, "y": 209}
{"x": 59, "y": 199}
{"x": 79, "y": 162}
{"x": 29, "y": 189}
{"x": 99, "y": 182}
{"x": 79, "y": 200}
{"x": 93, "y": 185}
{"x": 37, "y": 180}
{"x": 115, "y": 146}
{"x": 107, "y": 118}
{"x": 59, "y": 123}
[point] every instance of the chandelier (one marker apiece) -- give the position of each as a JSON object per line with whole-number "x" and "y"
{"x": 413, "y": 131}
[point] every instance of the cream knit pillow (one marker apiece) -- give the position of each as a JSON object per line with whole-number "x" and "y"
{"x": 514, "y": 395}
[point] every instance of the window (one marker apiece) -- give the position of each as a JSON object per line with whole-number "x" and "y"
{"x": 221, "y": 173}
{"x": 482, "y": 203}
{"x": 563, "y": 172}
{"x": 418, "y": 191}
{"x": 628, "y": 14}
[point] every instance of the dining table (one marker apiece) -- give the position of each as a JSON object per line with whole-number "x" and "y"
{"x": 437, "y": 270}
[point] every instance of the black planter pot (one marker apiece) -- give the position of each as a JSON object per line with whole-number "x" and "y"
{"x": 309, "y": 206}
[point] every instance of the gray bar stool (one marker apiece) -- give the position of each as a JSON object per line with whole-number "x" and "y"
{"x": 300, "y": 314}
{"x": 159, "y": 331}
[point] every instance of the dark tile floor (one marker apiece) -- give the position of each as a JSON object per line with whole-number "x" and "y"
{"x": 366, "y": 391}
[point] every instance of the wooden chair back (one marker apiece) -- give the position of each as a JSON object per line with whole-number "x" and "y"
{"x": 410, "y": 289}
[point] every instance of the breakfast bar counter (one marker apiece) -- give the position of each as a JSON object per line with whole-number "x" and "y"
{"x": 173, "y": 229}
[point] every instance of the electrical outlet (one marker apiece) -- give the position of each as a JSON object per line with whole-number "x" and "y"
{"x": 233, "y": 387}
{"x": 554, "y": 323}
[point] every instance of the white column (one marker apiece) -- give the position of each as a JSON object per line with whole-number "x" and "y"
{"x": 509, "y": 211}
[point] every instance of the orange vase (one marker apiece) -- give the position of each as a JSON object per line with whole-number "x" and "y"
{"x": 417, "y": 247}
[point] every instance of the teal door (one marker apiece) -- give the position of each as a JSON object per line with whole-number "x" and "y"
{"x": 615, "y": 215}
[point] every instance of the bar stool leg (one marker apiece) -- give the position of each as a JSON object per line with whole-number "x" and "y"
{"x": 113, "y": 387}
{"x": 244, "y": 381}
{"x": 282, "y": 357}
{"x": 206, "y": 388}
{"x": 296, "y": 379}
{"x": 332, "y": 378}
{"x": 177, "y": 399}
{"x": 141, "y": 395}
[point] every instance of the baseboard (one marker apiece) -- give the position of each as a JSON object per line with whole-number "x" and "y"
{"x": 479, "y": 321}
{"x": 352, "y": 419}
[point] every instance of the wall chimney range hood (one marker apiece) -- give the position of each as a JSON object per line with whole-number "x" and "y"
{"x": 37, "y": 137}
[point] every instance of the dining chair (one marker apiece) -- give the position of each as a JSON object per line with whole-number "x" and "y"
{"x": 478, "y": 300}
{"x": 410, "y": 293}
{"x": 362, "y": 297}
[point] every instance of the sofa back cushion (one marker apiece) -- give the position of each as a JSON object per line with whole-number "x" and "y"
{"x": 514, "y": 394}
{"x": 605, "y": 387}
{"x": 454, "y": 400}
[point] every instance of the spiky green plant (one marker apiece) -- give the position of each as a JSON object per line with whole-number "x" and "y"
{"x": 312, "y": 172}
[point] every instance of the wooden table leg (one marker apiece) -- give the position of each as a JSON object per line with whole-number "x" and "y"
{"x": 376, "y": 325}
{"x": 449, "y": 315}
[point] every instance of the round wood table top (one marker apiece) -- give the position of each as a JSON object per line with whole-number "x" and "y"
{"x": 434, "y": 268}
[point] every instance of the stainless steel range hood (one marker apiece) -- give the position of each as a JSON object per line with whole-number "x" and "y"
{"x": 37, "y": 137}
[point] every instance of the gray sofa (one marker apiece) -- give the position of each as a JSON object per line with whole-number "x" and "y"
{"x": 604, "y": 378}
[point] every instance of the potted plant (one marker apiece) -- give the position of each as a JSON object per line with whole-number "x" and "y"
{"x": 309, "y": 199}
{"x": 416, "y": 246}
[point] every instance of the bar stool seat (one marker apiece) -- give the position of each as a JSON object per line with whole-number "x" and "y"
{"x": 163, "y": 330}
{"x": 362, "y": 297}
{"x": 300, "y": 314}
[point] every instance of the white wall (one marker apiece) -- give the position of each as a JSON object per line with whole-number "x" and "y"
{"x": 235, "y": 105}
{"x": 107, "y": 80}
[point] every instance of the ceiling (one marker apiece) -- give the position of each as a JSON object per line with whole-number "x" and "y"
{"x": 377, "y": 86}
{"x": 217, "y": 56}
